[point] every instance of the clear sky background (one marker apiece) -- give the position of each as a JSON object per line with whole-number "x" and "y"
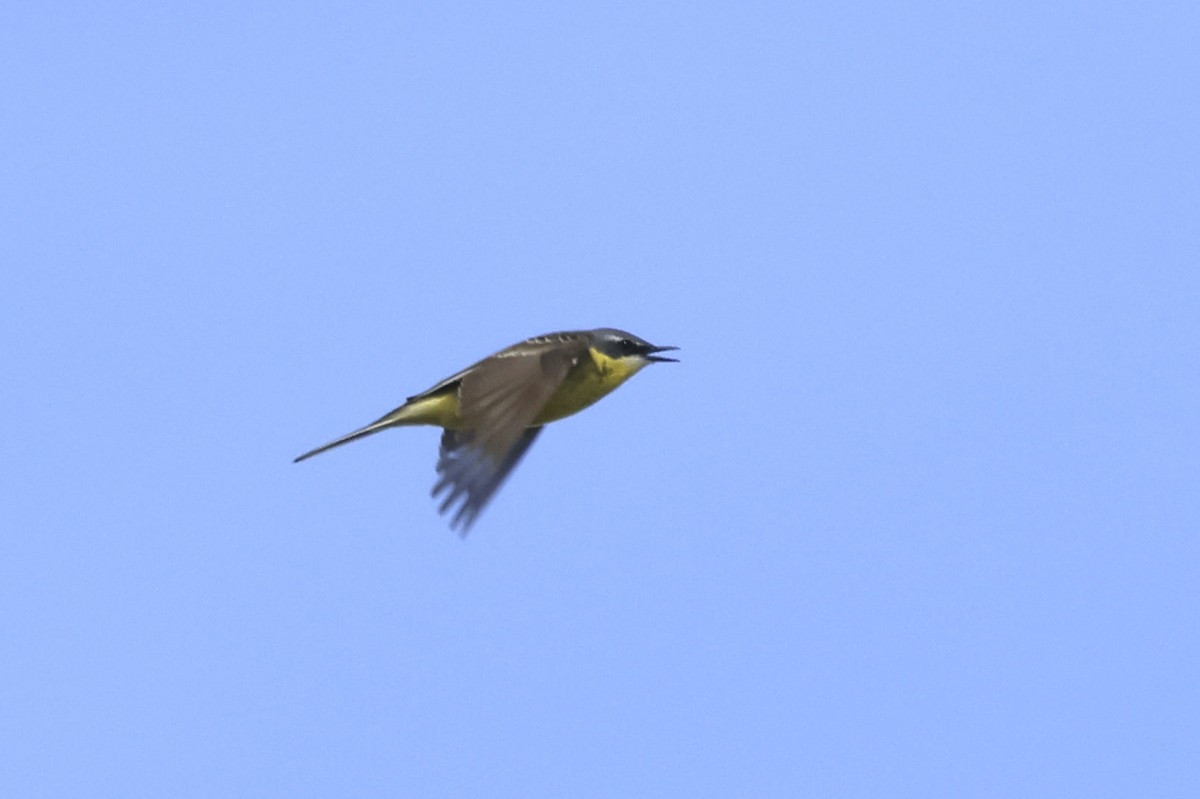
{"x": 916, "y": 516}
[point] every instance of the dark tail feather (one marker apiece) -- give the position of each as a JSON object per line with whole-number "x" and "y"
{"x": 362, "y": 432}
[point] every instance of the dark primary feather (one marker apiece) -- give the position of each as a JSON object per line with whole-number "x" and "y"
{"x": 498, "y": 400}
{"x": 472, "y": 476}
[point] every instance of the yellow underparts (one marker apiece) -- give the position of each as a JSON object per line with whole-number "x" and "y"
{"x": 591, "y": 379}
{"x": 439, "y": 409}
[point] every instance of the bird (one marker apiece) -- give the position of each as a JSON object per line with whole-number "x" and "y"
{"x": 492, "y": 411}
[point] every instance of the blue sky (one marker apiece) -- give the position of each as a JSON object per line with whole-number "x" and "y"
{"x": 916, "y": 515}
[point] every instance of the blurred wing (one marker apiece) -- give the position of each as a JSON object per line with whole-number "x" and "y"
{"x": 498, "y": 401}
{"x": 471, "y": 474}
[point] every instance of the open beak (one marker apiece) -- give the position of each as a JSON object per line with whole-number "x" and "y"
{"x": 650, "y": 356}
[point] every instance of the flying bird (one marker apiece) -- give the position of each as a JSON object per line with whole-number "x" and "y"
{"x": 492, "y": 412}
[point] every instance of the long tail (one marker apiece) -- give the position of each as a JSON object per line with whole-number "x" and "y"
{"x": 393, "y": 419}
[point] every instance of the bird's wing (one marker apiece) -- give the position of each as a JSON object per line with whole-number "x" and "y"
{"x": 498, "y": 400}
{"x": 471, "y": 475}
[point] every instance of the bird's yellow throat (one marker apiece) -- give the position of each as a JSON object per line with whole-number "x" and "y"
{"x": 587, "y": 382}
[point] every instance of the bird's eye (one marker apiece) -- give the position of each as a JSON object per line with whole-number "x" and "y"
{"x": 628, "y": 345}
